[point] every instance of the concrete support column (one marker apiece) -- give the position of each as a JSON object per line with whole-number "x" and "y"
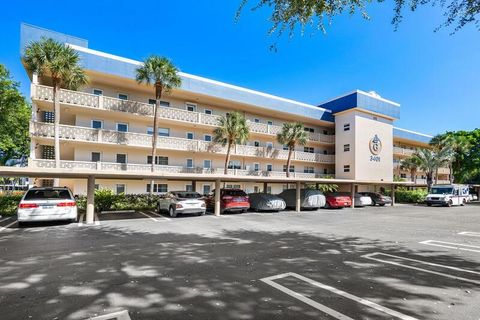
{"x": 194, "y": 185}
{"x": 265, "y": 187}
{"x": 298, "y": 197}
{"x": 90, "y": 199}
{"x": 393, "y": 195}
{"x": 353, "y": 195}
{"x": 217, "y": 197}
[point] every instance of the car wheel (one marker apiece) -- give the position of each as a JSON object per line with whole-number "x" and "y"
{"x": 172, "y": 212}
{"x": 429, "y": 204}
{"x": 244, "y": 210}
{"x": 374, "y": 203}
{"x": 382, "y": 204}
{"x": 464, "y": 202}
{"x": 327, "y": 205}
{"x": 21, "y": 224}
{"x": 159, "y": 211}
{"x": 201, "y": 213}
{"x": 450, "y": 203}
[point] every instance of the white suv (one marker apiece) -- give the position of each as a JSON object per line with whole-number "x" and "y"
{"x": 46, "y": 204}
{"x": 178, "y": 202}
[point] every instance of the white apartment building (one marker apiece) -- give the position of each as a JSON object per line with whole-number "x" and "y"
{"x": 107, "y": 126}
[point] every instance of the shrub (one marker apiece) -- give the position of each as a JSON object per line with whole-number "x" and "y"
{"x": 106, "y": 200}
{"x": 411, "y": 196}
{"x": 9, "y": 202}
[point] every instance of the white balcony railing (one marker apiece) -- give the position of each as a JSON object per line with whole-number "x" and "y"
{"x": 403, "y": 151}
{"x": 45, "y": 93}
{"x": 146, "y": 168}
{"x": 46, "y": 130}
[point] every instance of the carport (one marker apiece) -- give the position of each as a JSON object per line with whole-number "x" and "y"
{"x": 91, "y": 175}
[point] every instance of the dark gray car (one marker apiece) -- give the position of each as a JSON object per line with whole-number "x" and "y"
{"x": 378, "y": 198}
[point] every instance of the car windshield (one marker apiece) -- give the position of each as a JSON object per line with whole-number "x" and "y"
{"x": 187, "y": 195}
{"x": 48, "y": 194}
{"x": 441, "y": 190}
{"x": 234, "y": 193}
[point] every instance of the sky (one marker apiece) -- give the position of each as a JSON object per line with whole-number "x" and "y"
{"x": 435, "y": 76}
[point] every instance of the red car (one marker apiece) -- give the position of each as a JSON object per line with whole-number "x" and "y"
{"x": 231, "y": 200}
{"x": 337, "y": 200}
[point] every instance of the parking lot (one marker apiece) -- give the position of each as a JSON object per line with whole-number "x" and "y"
{"x": 402, "y": 262}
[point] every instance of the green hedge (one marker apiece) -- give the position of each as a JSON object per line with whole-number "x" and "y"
{"x": 411, "y": 196}
{"x": 9, "y": 202}
{"x": 106, "y": 200}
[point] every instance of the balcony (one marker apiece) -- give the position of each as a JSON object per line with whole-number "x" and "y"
{"x": 403, "y": 151}
{"x": 82, "y": 99}
{"x": 145, "y": 168}
{"x": 83, "y": 134}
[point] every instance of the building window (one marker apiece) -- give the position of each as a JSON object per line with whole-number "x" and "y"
{"x": 233, "y": 186}
{"x": 346, "y": 168}
{"x": 163, "y": 161}
{"x": 207, "y": 164}
{"x": 325, "y": 171}
{"x": 189, "y": 188}
{"x": 120, "y": 188}
{"x": 256, "y": 143}
{"x": 191, "y": 107}
{"x": 309, "y": 170}
{"x": 255, "y": 189}
{"x": 208, "y": 111}
{"x": 403, "y": 175}
{"x": 97, "y": 186}
{"x": 47, "y": 183}
{"x": 307, "y": 129}
{"x": 269, "y": 145}
{"x": 270, "y": 123}
{"x": 121, "y": 158}
{"x": 98, "y": 92}
{"x": 96, "y": 156}
{"x": 97, "y": 124}
{"x": 256, "y": 166}
{"x": 48, "y": 116}
{"x": 158, "y": 187}
{"x": 122, "y": 127}
{"x": 48, "y": 152}
{"x": 206, "y": 189}
{"x": 269, "y": 167}
{"x": 234, "y": 164}
{"x": 123, "y": 96}
{"x": 152, "y": 101}
{"x": 256, "y": 120}
{"x": 164, "y": 104}
{"x": 346, "y": 127}
{"x": 325, "y": 151}
{"x": 164, "y": 132}
{"x": 269, "y": 189}
{"x": 309, "y": 149}
{"x": 190, "y": 135}
{"x": 189, "y": 163}
{"x": 285, "y": 147}
{"x": 207, "y": 138}
{"x": 346, "y": 147}
{"x": 325, "y": 132}
{"x": 292, "y": 168}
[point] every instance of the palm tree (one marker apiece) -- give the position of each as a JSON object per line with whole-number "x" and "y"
{"x": 456, "y": 144}
{"x": 52, "y": 59}
{"x": 430, "y": 160}
{"x": 232, "y": 129}
{"x": 163, "y": 75}
{"x": 411, "y": 164}
{"x": 292, "y": 134}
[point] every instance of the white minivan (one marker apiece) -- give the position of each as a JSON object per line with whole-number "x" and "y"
{"x": 47, "y": 204}
{"x": 448, "y": 195}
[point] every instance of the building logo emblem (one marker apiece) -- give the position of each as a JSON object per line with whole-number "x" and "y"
{"x": 375, "y": 145}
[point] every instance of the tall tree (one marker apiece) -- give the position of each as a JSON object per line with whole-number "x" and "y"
{"x": 287, "y": 15}
{"x": 163, "y": 75}
{"x": 411, "y": 164}
{"x": 291, "y": 135}
{"x": 458, "y": 145}
{"x": 60, "y": 64}
{"x": 232, "y": 129}
{"x": 430, "y": 160}
{"x": 14, "y": 116}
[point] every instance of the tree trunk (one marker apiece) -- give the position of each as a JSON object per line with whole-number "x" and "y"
{"x": 227, "y": 158}
{"x": 450, "y": 167}
{"x": 158, "y": 96}
{"x": 436, "y": 175}
{"x": 56, "y": 128}
{"x": 289, "y": 160}
{"x": 413, "y": 175}
{"x": 429, "y": 181}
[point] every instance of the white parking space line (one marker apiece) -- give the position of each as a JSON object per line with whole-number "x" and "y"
{"x": 120, "y": 315}
{"x": 150, "y": 217}
{"x": 5, "y": 219}
{"x": 321, "y": 307}
{"x": 372, "y": 256}
{"x": 450, "y": 245}
{"x": 8, "y": 226}
{"x": 465, "y": 233}
{"x": 159, "y": 215}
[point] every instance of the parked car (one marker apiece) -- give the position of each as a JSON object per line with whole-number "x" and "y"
{"x": 47, "y": 204}
{"x": 309, "y": 198}
{"x": 231, "y": 200}
{"x": 377, "y": 198}
{"x": 266, "y": 202}
{"x": 337, "y": 200}
{"x": 181, "y": 202}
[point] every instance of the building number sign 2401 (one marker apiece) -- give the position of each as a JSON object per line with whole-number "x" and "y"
{"x": 375, "y": 146}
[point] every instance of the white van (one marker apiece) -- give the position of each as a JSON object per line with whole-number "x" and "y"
{"x": 448, "y": 195}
